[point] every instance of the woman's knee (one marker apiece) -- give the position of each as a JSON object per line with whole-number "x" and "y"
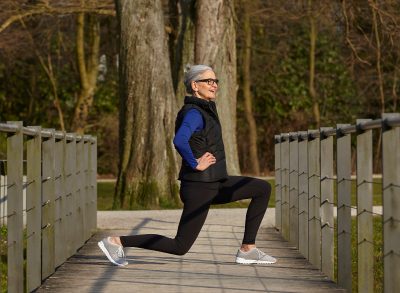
{"x": 264, "y": 188}
{"x": 182, "y": 250}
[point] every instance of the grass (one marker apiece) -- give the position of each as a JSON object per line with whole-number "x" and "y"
{"x": 3, "y": 258}
{"x": 378, "y": 254}
{"x": 105, "y": 192}
{"x": 376, "y": 189}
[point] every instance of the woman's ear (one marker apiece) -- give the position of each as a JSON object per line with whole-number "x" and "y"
{"x": 194, "y": 86}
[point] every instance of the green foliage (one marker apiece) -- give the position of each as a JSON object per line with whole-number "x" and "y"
{"x": 280, "y": 85}
{"x": 285, "y": 89}
{"x": 27, "y": 93}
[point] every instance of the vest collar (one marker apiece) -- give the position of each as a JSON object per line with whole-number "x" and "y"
{"x": 197, "y": 101}
{"x": 208, "y": 106}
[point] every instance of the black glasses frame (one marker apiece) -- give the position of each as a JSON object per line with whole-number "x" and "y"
{"x": 209, "y": 81}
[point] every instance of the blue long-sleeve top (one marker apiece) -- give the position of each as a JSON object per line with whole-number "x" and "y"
{"x": 192, "y": 122}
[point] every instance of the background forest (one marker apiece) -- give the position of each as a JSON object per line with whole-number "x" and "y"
{"x": 293, "y": 65}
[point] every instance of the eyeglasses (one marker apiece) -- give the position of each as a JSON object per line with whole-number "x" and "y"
{"x": 209, "y": 81}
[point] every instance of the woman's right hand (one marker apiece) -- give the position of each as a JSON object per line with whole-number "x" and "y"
{"x": 205, "y": 161}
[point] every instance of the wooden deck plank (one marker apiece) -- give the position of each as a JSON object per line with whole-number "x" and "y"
{"x": 208, "y": 267}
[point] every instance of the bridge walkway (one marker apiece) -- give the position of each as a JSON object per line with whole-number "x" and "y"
{"x": 208, "y": 267}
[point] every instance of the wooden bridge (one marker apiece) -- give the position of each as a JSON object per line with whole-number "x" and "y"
{"x": 208, "y": 267}
{"x": 62, "y": 229}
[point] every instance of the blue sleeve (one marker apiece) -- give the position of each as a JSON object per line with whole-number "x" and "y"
{"x": 192, "y": 122}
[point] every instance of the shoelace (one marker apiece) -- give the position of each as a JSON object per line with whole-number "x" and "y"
{"x": 260, "y": 254}
{"x": 120, "y": 252}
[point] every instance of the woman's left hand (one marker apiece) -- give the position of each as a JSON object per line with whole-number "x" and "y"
{"x": 205, "y": 161}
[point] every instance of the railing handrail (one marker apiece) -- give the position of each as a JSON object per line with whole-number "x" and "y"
{"x": 29, "y": 131}
{"x": 362, "y": 126}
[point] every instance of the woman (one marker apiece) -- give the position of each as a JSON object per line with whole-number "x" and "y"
{"x": 204, "y": 179}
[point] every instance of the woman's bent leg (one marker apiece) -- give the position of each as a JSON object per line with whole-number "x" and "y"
{"x": 197, "y": 198}
{"x": 239, "y": 187}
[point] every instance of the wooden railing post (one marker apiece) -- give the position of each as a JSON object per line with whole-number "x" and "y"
{"x": 343, "y": 164}
{"x": 59, "y": 225}
{"x": 303, "y": 194}
{"x": 294, "y": 189}
{"x": 93, "y": 184}
{"x": 70, "y": 185}
{"x": 364, "y": 210}
{"x": 34, "y": 210}
{"x": 14, "y": 210}
{"x": 48, "y": 205}
{"x": 391, "y": 205}
{"x": 327, "y": 205}
{"x": 80, "y": 192}
{"x": 314, "y": 189}
{"x": 278, "y": 184}
{"x": 85, "y": 189}
{"x": 285, "y": 184}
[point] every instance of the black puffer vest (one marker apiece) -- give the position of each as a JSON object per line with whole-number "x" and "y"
{"x": 207, "y": 140}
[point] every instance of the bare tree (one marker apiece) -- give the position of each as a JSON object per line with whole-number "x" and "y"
{"x": 182, "y": 42}
{"x": 254, "y": 166}
{"x": 88, "y": 64}
{"x": 147, "y": 171}
{"x": 87, "y": 52}
{"x": 216, "y": 46}
{"x": 313, "y": 42}
{"x": 15, "y": 11}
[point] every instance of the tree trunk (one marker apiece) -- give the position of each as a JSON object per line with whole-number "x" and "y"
{"x": 378, "y": 55}
{"x": 394, "y": 87}
{"x": 53, "y": 82}
{"x": 216, "y": 46}
{"x": 147, "y": 168}
{"x": 182, "y": 43}
{"x": 88, "y": 69}
{"x": 313, "y": 41}
{"x": 254, "y": 166}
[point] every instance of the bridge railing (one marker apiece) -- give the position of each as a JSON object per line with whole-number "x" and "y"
{"x": 55, "y": 191}
{"x": 306, "y": 171}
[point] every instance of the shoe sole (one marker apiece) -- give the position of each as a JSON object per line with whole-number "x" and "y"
{"x": 105, "y": 251}
{"x": 244, "y": 261}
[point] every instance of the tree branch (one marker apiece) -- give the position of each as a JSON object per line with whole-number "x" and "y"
{"x": 54, "y": 11}
{"x": 347, "y": 35}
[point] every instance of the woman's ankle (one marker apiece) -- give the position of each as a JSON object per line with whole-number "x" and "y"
{"x": 247, "y": 247}
{"x": 115, "y": 240}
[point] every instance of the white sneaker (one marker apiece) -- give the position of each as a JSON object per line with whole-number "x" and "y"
{"x": 254, "y": 256}
{"x": 114, "y": 252}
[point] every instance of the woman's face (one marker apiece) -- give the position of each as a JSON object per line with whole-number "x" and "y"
{"x": 206, "y": 86}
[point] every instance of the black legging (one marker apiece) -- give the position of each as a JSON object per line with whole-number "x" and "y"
{"x": 197, "y": 198}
